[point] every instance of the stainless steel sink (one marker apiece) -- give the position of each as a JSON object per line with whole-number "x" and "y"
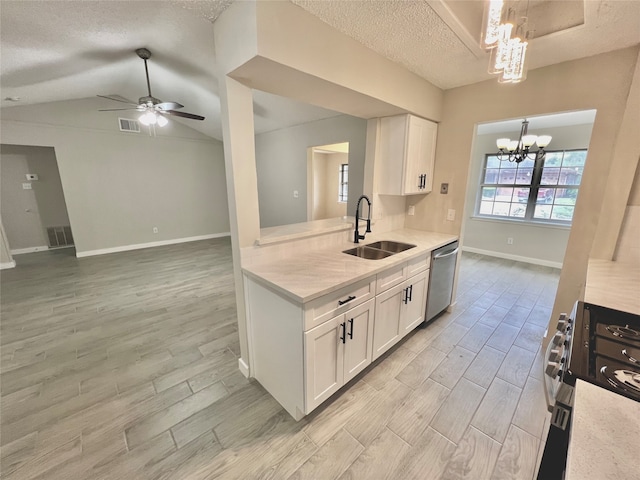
{"x": 378, "y": 250}
{"x": 390, "y": 246}
{"x": 368, "y": 253}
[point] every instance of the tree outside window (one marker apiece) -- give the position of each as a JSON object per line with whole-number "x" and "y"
{"x": 538, "y": 191}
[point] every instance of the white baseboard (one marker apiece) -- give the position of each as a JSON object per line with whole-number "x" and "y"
{"x": 11, "y": 264}
{"x": 244, "y": 368}
{"x": 517, "y": 258}
{"x": 138, "y": 246}
{"x": 19, "y": 251}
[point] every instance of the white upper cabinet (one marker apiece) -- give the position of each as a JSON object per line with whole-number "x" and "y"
{"x": 407, "y": 149}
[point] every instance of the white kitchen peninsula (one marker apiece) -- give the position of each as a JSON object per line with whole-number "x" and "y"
{"x": 319, "y": 317}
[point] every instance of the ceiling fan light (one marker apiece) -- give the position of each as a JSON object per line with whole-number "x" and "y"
{"x": 162, "y": 120}
{"x": 148, "y": 118}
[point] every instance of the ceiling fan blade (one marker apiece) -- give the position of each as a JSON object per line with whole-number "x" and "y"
{"x": 115, "y": 109}
{"x": 117, "y": 98}
{"x": 183, "y": 114}
{"x": 168, "y": 106}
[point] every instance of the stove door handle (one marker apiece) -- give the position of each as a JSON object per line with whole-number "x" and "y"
{"x": 547, "y": 381}
{"x": 629, "y": 357}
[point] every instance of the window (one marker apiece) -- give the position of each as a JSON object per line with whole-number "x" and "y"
{"x": 540, "y": 191}
{"x": 343, "y": 183}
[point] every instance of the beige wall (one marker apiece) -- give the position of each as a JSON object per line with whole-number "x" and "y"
{"x": 540, "y": 244}
{"x": 628, "y": 245}
{"x": 601, "y": 82}
{"x": 118, "y": 185}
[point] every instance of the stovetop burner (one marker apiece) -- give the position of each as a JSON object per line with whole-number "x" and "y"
{"x": 624, "y": 379}
{"x": 624, "y": 332}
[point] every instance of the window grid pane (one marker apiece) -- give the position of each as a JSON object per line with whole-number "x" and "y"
{"x": 343, "y": 182}
{"x": 505, "y": 189}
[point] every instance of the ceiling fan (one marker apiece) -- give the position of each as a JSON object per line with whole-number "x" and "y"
{"x": 153, "y": 109}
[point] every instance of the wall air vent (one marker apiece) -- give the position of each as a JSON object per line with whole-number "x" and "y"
{"x": 128, "y": 125}
{"x": 60, "y": 236}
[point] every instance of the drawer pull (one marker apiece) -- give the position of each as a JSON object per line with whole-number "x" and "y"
{"x": 349, "y": 298}
{"x": 343, "y": 325}
{"x": 351, "y": 328}
{"x": 629, "y": 357}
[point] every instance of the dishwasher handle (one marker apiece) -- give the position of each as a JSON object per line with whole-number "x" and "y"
{"x": 448, "y": 254}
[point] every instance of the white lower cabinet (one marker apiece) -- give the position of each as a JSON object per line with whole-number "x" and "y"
{"x": 398, "y": 311}
{"x": 337, "y": 351}
{"x": 303, "y": 353}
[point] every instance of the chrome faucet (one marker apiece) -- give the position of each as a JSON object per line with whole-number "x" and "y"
{"x": 356, "y": 235}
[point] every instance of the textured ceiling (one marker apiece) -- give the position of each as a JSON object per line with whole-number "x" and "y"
{"x": 430, "y": 39}
{"x": 61, "y": 50}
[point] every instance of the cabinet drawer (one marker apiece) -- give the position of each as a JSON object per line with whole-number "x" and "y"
{"x": 324, "y": 308}
{"x": 419, "y": 264}
{"x": 390, "y": 278}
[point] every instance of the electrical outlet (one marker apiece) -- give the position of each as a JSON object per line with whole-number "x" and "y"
{"x": 155, "y": 229}
{"x": 444, "y": 188}
{"x": 509, "y": 240}
{"x": 451, "y": 214}
{"x": 295, "y": 194}
{"x": 412, "y": 210}
{"x": 26, "y": 186}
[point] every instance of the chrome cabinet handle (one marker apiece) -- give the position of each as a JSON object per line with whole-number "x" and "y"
{"x": 629, "y": 357}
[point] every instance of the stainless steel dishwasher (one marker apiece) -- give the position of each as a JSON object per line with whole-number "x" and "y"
{"x": 443, "y": 268}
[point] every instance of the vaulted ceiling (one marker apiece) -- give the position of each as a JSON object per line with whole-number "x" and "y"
{"x": 62, "y": 50}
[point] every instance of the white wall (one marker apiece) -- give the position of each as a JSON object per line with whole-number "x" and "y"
{"x": 281, "y": 164}
{"x": 542, "y": 244}
{"x": 118, "y": 185}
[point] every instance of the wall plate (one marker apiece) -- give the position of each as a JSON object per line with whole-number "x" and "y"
{"x": 444, "y": 188}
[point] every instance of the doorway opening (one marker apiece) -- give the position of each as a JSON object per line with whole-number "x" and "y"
{"x": 32, "y": 204}
{"x": 327, "y": 181}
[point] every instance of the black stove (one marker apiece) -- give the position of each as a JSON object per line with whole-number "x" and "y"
{"x": 606, "y": 349}
{"x": 598, "y": 345}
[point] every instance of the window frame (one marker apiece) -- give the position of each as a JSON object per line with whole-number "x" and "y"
{"x": 534, "y": 186}
{"x": 343, "y": 185}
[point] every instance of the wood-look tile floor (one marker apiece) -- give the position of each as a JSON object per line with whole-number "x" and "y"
{"x": 125, "y": 366}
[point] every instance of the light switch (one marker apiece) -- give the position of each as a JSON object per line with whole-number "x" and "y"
{"x": 26, "y": 186}
{"x": 451, "y": 214}
{"x": 412, "y": 210}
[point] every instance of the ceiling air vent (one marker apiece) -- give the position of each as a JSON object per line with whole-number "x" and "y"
{"x": 128, "y": 125}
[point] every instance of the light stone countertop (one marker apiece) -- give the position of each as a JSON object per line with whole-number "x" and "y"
{"x": 614, "y": 285}
{"x": 294, "y": 231}
{"x": 309, "y": 275}
{"x": 605, "y": 435}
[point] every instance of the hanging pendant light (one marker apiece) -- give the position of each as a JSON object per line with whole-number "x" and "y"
{"x": 507, "y": 40}
{"x": 520, "y": 150}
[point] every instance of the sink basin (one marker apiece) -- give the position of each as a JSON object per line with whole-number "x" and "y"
{"x": 368, "y": 253}
{"x": 390, "y": 246}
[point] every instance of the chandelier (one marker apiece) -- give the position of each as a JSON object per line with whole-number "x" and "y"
{"x": 507, "y": 41}
{"x": 519, "y": 150}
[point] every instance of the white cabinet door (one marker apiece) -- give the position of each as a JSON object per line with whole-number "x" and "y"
{"x": 414, "y": 308}
{"x": 358, "y": 349}
{"x": 387, "y": 328}
{"x": 406, "y": 151}
{"x": 324, "y": 356}
{"x": 421, "y": 143}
